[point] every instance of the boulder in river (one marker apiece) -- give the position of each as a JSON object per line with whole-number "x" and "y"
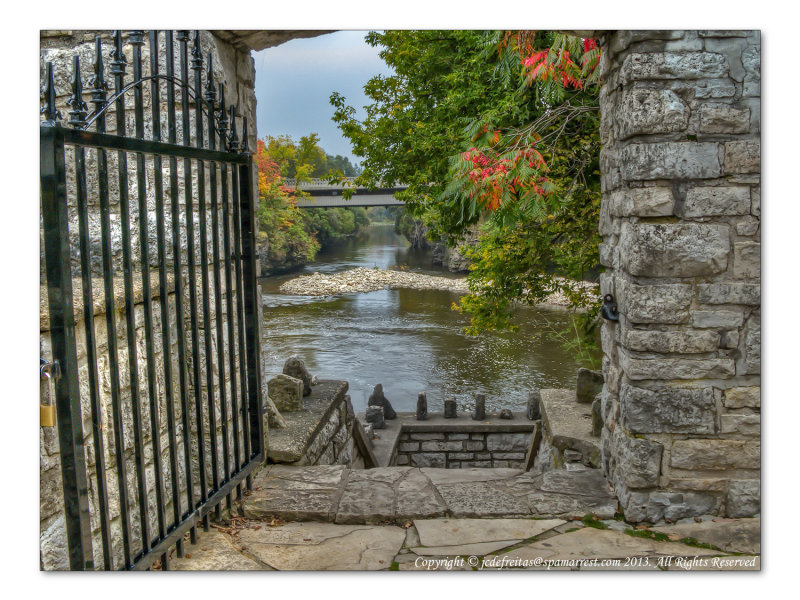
{"x": 377, "y": 398}
{"x": 296, "y": 367}
{"x": 506, "y": 414}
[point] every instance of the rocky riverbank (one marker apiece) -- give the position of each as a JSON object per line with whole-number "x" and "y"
{"x": 362, "y": 280}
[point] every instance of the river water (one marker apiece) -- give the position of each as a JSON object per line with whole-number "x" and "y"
{"x": 409, "y": 340}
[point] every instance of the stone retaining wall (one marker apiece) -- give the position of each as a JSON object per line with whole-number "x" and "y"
{"x": 457, "y": 450}
{"x": 321, "y": 433}
{"x": 680, "y": 221}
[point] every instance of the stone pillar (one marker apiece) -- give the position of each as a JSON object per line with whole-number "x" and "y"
{"x": 680, "y": 221}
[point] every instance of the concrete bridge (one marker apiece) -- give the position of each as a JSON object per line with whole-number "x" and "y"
{"x": 325, "y": 194}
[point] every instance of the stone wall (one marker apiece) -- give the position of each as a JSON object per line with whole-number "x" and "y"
{"x": 462, "y": 450}
{"x": 680, "y": 221}
{"x": 235, "y": 68}
{"x": 52, "y": 525}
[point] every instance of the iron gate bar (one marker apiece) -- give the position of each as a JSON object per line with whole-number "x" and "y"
{"x": 197, "y": 65}
{"x": 172, "y": 137}
{"x": 183, "y": 37}
{"x": 240, "y": 313}
{"x": 155, "y": 103}
{"x": 60, "y": 298}
{"x": 109, "y": 141}
{"x": 136, "y": 39}
{"x": 77, "y": 118}
{"x": 99, "y": 99}
{"x": 55, "y": 219}
{"x": 130, "y": 315}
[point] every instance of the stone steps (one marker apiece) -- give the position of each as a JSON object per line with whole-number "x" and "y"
{"x": 336, "y": 494}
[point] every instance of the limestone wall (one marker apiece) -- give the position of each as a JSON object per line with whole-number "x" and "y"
{"x": 680, "y": 221}
{"x": 456, "y": 450}
{"x": 236, "y": 70}
{"x": 52, "y": 525}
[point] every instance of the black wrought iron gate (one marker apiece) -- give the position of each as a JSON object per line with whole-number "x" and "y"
{"x": 170, "y": 374}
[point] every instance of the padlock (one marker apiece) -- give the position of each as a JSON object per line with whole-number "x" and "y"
{"x": 47, "y": 415}
{"x": 47, "y": 412}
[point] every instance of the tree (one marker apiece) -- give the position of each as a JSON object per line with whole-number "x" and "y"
{"x": 496, "y": 130}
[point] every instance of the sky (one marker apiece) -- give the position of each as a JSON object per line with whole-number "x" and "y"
{"x": 295, "y": 80}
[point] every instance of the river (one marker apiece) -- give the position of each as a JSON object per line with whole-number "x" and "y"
{"x": 409, "y": 340}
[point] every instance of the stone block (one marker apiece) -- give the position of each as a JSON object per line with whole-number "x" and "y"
{"x": 645, "y": 112}
{"x": 717, "y": 318}
{"x": 683, "y": 342}
{"x": 654, "y": 303}
{"x": 671, "y": 160}
{"x": 715, "y": 455}
{"x": 747, "y": 425}
{"x": 748, "y": 225}
{"x": 724, "y": 118}
{"x": 716, "y": 201}
{"x": 429, "y": 459}
{"x": 676, "y": 368}
{"x": 408, "y": 447}
{"x": 743, "y": 397}
{"x": 747, "y": 260}
{"x": 743, "y": 498}
{"x": 507, "y": 442}
{"x": 743, "y": 157}
{"x": 638, "y": 460}
{"x": 673, "y": 65}
{"x": 723, "y": 33}
{"x": 674, "y": 506}
{"x": 729, "y": 293}
{"x": 588, "y": 384}
{"x": 286, "y": 392}
{"x": 439, "y": 446}
{"x": 642, "y": 202}
{"x": 668, "y": 410}
{"x": 714, "y": 88}
{"x": 426, "y": 436}
{"x": 729, "y": 339}
{"x": 750, "y": 362}
{"x": 674, "y": 250}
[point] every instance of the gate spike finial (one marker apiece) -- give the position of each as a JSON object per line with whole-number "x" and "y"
{"x": 233, "y": 141}
{"x": 118, "y": 60}
{"x": 77, "y": 116}
{"x": 211, "y": 92}
{"x": 222, "y": 118}
{"x": 98, "y": 82}
{"x": 197, "y": 53}
{"x": 51, "y": 114}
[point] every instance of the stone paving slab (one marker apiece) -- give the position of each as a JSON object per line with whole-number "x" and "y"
{"x": 450, "y": 532}
{"x": 462, "y": 544}
{"x": 590, "y": 543}
{"x": 399, "y": 494}
{"x": 740, "y": 535}
{"x": 214, "y": 551}
{"x": 324, "y": 546}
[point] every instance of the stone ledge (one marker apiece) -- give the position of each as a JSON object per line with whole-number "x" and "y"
{"x": 290, "y": 444}
{"x": 568, "y": 425}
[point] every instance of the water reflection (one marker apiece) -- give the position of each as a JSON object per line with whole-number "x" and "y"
{"x": 409, "y": 340}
